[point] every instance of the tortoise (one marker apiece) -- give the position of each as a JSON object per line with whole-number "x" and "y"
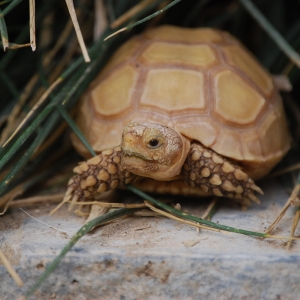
{"x": 180, "y": 111}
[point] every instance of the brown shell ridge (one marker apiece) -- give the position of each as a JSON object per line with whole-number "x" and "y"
{"x": 264, "y": 110}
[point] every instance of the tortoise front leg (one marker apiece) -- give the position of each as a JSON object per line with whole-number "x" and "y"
{"x": 217, "y": 176}
{"x": 97, "y": 175}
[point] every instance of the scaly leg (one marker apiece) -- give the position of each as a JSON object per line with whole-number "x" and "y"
{"x": 217, "y": 176}
{"x": 97, "y": 175}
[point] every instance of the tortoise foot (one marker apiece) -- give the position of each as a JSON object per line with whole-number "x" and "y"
{"x": 217, "y": 176}
{"x": 100, "y": 174}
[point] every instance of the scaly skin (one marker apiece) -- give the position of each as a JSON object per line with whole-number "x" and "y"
{"x": 97, "y": 175}
{"x": 215, "y": 175}
{"x": 159, "y": 152}
{"x": 203, "y": 169}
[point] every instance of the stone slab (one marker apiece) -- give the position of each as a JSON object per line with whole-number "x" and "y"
{"x": 155, "y": 258}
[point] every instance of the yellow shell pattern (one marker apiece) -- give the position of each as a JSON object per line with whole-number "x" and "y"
{"x": 201, "y": 82}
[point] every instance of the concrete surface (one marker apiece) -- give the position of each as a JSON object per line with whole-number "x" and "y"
{"x": 155, "y": 258}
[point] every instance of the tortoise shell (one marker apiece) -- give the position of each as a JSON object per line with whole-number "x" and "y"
{"x": 201, "y": 82}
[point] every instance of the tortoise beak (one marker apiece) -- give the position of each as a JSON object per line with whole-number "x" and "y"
{"x": 131, "y": 146}
{"x": 133, "y": 142}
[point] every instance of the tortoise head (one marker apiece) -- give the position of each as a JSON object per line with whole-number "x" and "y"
{"x": 153, "y": 150}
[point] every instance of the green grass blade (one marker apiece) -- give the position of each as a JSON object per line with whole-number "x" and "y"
{"x": 9, "y": 84}
{"x": 25, "y": 135}
{"x": 3, "y": 31}
{"x": 174, "y": 2}
{"x": 5, "y": 1}
{"x": 192, "y": 218}
{"x": 80, "y": 233}
{"x": 67, "y": 95}
{"x": 42, "y": 133}
{"x": 64, "y": 95}
{"x": 75, "y": 128}
{"x": 9, "y": 7}
{"x": 145, "y": 19}
{"x": 273, "y": 33}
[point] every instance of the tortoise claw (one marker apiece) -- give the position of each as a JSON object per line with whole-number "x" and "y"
{"x": 253, "y": 198}
{"x": 257, "y": 189}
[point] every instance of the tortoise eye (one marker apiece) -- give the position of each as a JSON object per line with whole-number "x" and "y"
{"x": 153, "y": 143}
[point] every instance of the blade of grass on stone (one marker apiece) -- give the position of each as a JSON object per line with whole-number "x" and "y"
{"x": 3, "y": 32}
{"x": 195, "y": 219}
{"x": 144, "y": 19}
{"x": 80, "y": 233}
{"x": 272, "y": 32}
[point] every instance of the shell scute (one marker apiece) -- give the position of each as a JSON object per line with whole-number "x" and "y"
{"x": 236, "y": 102}
{"x": 165, "y": 89}
{"x": 114, "y": 94}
